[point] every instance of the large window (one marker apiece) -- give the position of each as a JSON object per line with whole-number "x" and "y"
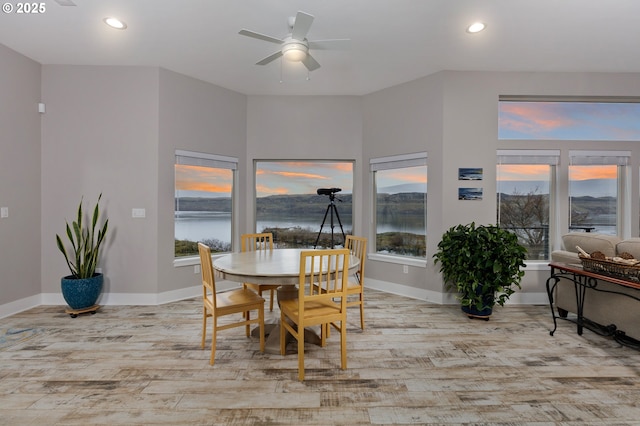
{"x": 524, "y": 183}
{"x": 589, "y": 191}
{"x": 203, "y": 202}
{"x": 400, "y": 184}
{"x": 289, "y": 206}
{"x": 568, "y": 120}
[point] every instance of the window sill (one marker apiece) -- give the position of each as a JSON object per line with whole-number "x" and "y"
{"x": 538, "y": 265}
{"x": 400, "y": 260}
{"x": 191, "y": 260}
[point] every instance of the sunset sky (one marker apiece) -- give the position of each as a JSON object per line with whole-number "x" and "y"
{"x": 569, "y": 121}
{"x": 291, "y": 177}
{"x": 517, "y": 120}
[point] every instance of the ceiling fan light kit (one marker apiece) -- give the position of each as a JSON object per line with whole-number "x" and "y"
{"x": 295, "y": 47}
{"x": 295, "y": 51}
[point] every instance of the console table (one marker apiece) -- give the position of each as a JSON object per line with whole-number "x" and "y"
{"x": 583, "y": 280}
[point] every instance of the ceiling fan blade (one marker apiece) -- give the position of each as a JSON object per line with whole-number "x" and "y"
{"x": 270, "y": 58}
{"x": 336, "y": 44}
{"x": 310, "y": 63}
{"x": 301, "y": 26}
{"x": 259, "y": 36}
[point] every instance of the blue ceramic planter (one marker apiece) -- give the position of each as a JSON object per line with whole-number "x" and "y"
{"x": 80, "y": 293}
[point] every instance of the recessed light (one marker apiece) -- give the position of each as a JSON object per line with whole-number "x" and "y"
{"x": 115, "y": 23}
{"x": 476, "y": 27}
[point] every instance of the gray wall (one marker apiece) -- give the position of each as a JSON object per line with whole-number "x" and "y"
{"x": 115, "y": 129}
{"x": 200, "y": 117}
{"x": 19, "y": 180}
{"x": 303, "y": 127}
{"x": 100, "y": 135}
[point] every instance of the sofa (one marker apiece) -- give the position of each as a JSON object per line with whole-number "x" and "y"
{"x": 599, "y": 307}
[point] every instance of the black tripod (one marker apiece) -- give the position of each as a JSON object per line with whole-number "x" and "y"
{"x": 331, "y": 207}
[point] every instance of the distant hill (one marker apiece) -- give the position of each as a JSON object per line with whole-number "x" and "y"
{"x": 311, "y": 204}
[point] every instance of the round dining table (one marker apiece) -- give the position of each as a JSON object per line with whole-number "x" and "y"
{"x": 278, "y": 266}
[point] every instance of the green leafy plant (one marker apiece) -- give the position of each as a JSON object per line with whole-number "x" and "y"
{"x": 85, "y": 243}
{"x": 482, "y": 263}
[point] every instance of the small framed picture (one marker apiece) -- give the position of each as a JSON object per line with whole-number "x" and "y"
{"x": 470, "y": 194}
{"x": 470, "y": 173}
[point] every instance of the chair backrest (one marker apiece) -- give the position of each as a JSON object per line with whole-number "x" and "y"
{"x": 358, "y": 247}
{"x": 255, "y": 242}
{"x": 329, "y": 269}
{"x": 206, "y": 268}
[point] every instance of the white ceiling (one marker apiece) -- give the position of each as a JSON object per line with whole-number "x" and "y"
{"x": 392, "y": 41}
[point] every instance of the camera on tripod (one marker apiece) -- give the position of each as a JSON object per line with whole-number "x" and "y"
{"x": 331, "y": 192}
{"x": 328, "y": 191}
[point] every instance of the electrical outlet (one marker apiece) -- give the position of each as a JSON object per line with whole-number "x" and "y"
{"x": 405, "y": 269}
{"x": 196, "y": 269}
{"x": 4, "y": 211}
{"x": 138, "y": 213}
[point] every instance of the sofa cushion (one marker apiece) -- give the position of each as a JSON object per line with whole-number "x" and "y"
{"x": 591, "y": 242}
{"x": 564, "y": 256}
{"x": 630, "y": 245}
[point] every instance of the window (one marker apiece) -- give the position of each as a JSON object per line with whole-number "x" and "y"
{"x": 592, "y": 192}
{"x": 569, "y": 120}
{"x": 400, "y": 185}
{"x": 203, "y": 202}
{"x": 594, "y": 179}
{"x": 289, "y": 206}
{"x": 524, "y": 183}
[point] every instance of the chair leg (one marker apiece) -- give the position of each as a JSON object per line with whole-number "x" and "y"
{"x": 247, "y": 327}
{"x": 271, "y": 301}
{"x": 283, "y": 333}
{"x": 204, "y": 326}
{"x": 261, "y": 319}
{"x": 343, "y": 344}
{"x": 213, "y": 340}
{"x": 300, "y": 338}
{"x": 362, "y": 311}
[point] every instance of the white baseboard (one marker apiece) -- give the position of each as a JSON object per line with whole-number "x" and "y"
{"x": 517, "y": 298}
{"x": 14, "y": 307}
{"x": 430, "y": 296}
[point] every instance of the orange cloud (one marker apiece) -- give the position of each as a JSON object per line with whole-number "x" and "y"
{"x": 265, "y": 190}
{"x": 407, "y": 176}
{"x": 197, "y": 178}
{"x": 300, "y": 175}
{"x": 593, "y": 172}
{"x": 532, "y": 117}
{"x": 523, "y": 172}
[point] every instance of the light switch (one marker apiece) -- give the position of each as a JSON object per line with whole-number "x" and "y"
{"x": 138, "y": 213}
{"x": 4, "y": 211}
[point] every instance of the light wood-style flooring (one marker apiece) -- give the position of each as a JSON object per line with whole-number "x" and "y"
{"x": 415, "y": 363}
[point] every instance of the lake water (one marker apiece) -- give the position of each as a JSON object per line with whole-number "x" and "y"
{"x": 195, "y": 226}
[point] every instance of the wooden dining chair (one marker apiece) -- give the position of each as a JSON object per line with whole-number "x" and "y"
{"x": 326, "y": 307}
{"x": 255, "y": 242}
{"x": 358, "y": 247}
{"x": 216, "y": 305}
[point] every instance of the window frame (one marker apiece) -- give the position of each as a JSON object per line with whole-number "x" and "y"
{"x": 389, "y": 163}
{"x": 619, "y": 158}
{"x": 337, "y": 231}
{"x": 550, "y": 157}
{"x": 213, "y": 161}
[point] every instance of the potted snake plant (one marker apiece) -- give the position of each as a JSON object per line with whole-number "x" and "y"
{"x": 83, "y": 286}
{"x": 483, "y": 263}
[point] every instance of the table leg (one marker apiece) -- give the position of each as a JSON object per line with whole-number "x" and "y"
{"x": 272, "y": 331}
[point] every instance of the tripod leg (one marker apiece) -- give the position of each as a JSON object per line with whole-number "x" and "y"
{"x": 322, "y": 226}
{"x": 344, "y": 237}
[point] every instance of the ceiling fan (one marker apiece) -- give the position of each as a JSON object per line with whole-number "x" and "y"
{"x": 295, "y": 46}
